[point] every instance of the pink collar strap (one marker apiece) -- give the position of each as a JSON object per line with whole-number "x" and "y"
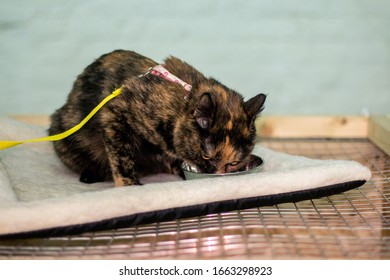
{"x": 160, "y": 71}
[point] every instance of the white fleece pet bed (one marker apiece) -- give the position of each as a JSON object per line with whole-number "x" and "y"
{"x": 40, "y": 197}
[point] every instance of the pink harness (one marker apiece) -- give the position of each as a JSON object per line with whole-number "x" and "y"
{"x": 160, "y": 71}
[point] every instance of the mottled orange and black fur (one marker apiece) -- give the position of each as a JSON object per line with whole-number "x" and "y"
{"x": 151, "y": 127}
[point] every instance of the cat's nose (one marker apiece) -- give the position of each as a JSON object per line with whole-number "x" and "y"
{"x": 228, "y": 168}
{"x": 220, "y": 170}
{"x": 223, "y": 169}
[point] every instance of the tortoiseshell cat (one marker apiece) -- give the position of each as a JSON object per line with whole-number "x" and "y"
{"x": 151, "y": 127}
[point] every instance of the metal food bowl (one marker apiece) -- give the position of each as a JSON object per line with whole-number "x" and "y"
{"x": 254, "y": 166}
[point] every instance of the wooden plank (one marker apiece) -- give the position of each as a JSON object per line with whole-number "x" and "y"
{"x": 281, "y": 126}
{"x": 42, "y": 120}
{"x": 312, "y": 126}
{"x": 379, "y": 132}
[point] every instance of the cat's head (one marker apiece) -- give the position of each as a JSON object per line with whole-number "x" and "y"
{"x": 219, "y": 132}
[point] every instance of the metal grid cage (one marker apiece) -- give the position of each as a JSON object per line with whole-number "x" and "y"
{"x": 350, "y": 225}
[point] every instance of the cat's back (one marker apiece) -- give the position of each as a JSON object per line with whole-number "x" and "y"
{"x": 122, "y": 63}
{"x": 98, "y": 80}
{"x": 110, "y": 70}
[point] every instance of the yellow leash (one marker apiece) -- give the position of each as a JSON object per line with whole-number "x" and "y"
{"x": 9, "y": 144}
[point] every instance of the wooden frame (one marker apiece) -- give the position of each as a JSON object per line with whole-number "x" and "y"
{"x": 313, "y": 126}
{"x": 375, "y": 128}
{"x": 379, "y": 132}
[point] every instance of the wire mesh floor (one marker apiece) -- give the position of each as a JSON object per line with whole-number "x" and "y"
{"x": 351, "y": 225}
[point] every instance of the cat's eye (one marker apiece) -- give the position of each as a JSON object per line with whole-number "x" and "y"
{"x": 234, "y": 163}
{"x": 205, "y": 157}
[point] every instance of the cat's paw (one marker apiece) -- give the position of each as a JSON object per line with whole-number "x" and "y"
{"x": 89, "y": 176}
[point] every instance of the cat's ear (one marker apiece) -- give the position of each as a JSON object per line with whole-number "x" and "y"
{"x": 204, "y": 111}
{"x": 254, "y": 106}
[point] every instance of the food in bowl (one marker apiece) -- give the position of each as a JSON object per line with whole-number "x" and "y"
{"x": 254, "y": 165}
